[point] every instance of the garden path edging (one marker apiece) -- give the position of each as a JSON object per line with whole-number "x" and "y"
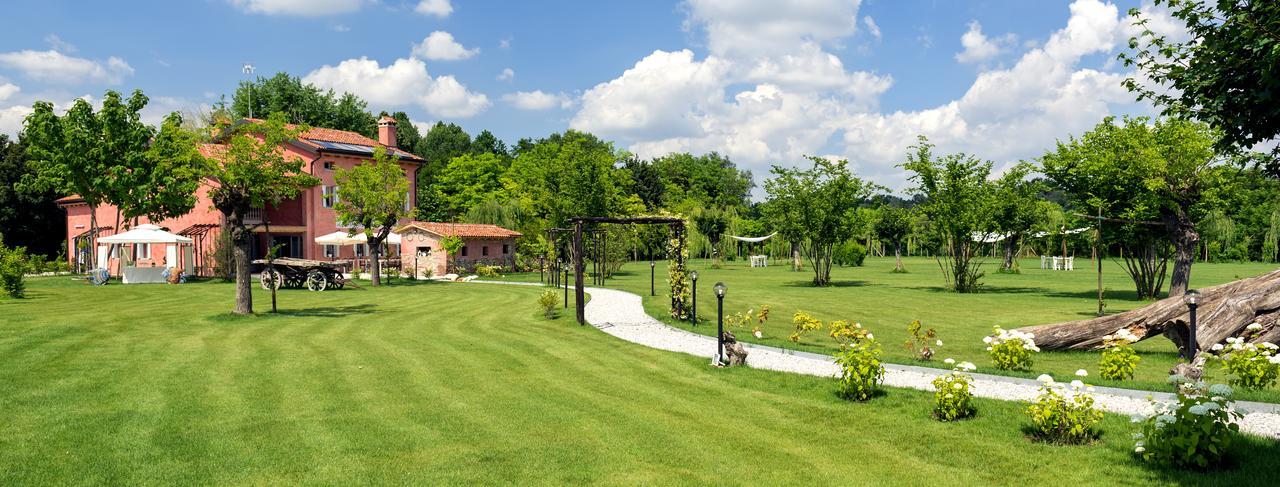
{"x": 621, "y": 314}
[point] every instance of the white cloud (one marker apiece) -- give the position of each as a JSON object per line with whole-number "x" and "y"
{"x": 796, "y": 98}
{"x": 402, "y": 83}
{"x": 872, "y": 28}
{"x": 440, "y": 46}
{"x": 754, "y": 27}
{"x": 979, "y": 48}
{"x": 504, "y": 43}
{"x": 56, "y": 67}
{"x": 11, "y": 119}
{"x": 301, "y": 8}
{"x": 7, "y": 90}
{"x": 56, "y": 43}
{"x": 538, "y": 100}
{"x": 507, "y": 74}
{"x": 438, "y": 8}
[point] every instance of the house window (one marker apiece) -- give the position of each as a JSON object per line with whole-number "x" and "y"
{"x": 464, "y": 250}
{"x": 288, "y": 246}
{"x": 328, "y": 195}
{"x": 328, "y": 165}
{"x": 360, "y": 250}
{"x": 484, "y": 250}
{"x": 506, "y": 249}
{"x": 141, "y": 251}
{"x": 331, "y": 251}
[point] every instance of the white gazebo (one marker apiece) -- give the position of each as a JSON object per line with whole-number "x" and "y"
{"x": 148, "y": 234}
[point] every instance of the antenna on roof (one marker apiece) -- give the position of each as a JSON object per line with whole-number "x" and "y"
{"x": 247, "y": 68}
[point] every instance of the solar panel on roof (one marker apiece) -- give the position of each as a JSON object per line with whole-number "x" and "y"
{"x": 364, "y": 149}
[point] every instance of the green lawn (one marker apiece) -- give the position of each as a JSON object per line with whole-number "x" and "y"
{"x": 451, "y": 383}
{"x": 887, "y": 302}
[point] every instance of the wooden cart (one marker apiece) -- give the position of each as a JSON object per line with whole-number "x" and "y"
{"x": 299, "y": 273}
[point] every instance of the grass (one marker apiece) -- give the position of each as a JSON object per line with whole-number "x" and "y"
{"x": 449, "y": 383}
{"x": 887, "y": 302}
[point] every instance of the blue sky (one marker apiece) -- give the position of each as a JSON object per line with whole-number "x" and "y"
{"x": 765, "y": 82}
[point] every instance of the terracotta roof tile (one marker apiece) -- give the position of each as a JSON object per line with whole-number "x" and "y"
{"x": 342, "y": 137}
{"x": 464, "y": 230}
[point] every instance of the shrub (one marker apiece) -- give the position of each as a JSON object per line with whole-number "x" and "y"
{"x": 1192, "y": 432}
{"x": 850, "y": 254}
{"x": 1011, "y": 349}
{"x": 751, "y": 317}
{"x": 1119, "y": 361}
{"x": 861, "y": 370}
{"x": 1250, "y": 366}
{"x": 13, "y": 266}
{"x": 952, "y": 396}
{"x": 921, "y": 342}
{"x": 549, "y": 301}
{"x": 1064, "y": 414}
{"x": 491, "y": 271}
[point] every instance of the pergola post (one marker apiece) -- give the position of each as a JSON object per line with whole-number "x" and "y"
{"x": 579, "y": 296}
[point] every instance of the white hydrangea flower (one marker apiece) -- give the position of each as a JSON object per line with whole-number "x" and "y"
{"x": 967, "y": 366}
{"x": 957, "y": 385}
{"x": 871, "y": 337}
{"x": 939, "y": 343}
{"x": 949, "y": 361}
{"x": 1198, "y": 410}
{"x": 1045, "y": 378}
{"x": 759, "y": 334}
{"x": 1076, "y": 384}
{"x": 986, "y": 340}
{"x": 1082, "y": 373}
{"x": 1254, "y": 327}
{"x": 1217, "y": 347}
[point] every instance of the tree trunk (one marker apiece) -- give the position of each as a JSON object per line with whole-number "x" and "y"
{"x": 244, "y": 285}
{"x": 93, "y": 237}
{"x": 1185, "y": 240}
{"x": 375, "y": 267}
{"x": 795, "y": 257}
{"x": 897, "y": 257}
{"x": 1224, "y": 311}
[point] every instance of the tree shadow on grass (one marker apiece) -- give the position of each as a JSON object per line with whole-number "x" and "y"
{"x": 1250, "y": 460}
{"x": 840, "y": 283}
{"x": 330, "y": 311}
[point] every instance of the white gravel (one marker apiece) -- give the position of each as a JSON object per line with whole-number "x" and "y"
{"x": 622, "y": 315}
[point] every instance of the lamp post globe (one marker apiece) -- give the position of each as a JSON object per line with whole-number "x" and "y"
{"x": 1192, "y": 299}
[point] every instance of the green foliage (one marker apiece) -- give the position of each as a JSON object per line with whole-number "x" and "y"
{"x": 1063, "y": 414}
{"x": 1017, "y": 210}
{"x": 953, "y": 394}
{"x": 452, "y": 244}
{"x": 488, "y": 271}
{"x": 678, "y": 276}
{"x": 921, "y": 341}
{"x": 29, "y": 217}
{"x": 707, "y": 181}
{"x": 372, "y": 197}
{"x": 816, "y": 207}
{"x": 958, "y": 203}
{"x": 893, "y": 226}
{"x": 304, "y": 104}
{"x": 1010, "y": 349}
{"x": 851, "y": 253}
{"x": 569, "y": 175}
{"x": 1251, "y": 366}
{"x": 13, "y": 265}
{"x": 712, "y": 223}
{"x": 1119, "y": 360}
{"x": 1193, "y": 432}
{"x": 549, "y": 301}
{"x": 753, "y": 318}
{"x": 861, "y": 368}
{"x": 1222, "y": 72}
{"x": 469, "y": 180}
{"x": 165, "y": 184}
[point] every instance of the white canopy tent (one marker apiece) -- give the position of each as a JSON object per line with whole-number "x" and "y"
{"x": 147, "y": 234}
{"x": 753, "y": 239}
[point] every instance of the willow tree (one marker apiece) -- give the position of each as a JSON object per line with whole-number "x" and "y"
{"x": 372, "y": 197}
{"x": 816, "y": 207}
{"x": 249, "y": 170}
{"x": 958, "y": 200}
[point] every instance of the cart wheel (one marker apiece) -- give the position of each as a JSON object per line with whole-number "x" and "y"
{"x": 316, "y": 281}
{"x": 337, "y": 280}
{"x": 271, "y": 279}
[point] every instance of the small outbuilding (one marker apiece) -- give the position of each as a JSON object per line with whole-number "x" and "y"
{"x": 421, "y": 250}
{"x": 145, "y": 262}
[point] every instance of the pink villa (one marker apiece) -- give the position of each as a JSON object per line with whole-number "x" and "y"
{"x": 482, "y": 244}
{"x": 295, "y": 223}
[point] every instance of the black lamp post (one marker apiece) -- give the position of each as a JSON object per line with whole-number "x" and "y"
{"x": 651, "y": 265}
{"x": 720, "y": 289}
{"x": 565, "y": 280}
{"x": 1192, "y": 298}
{"x": 693, "y": 313}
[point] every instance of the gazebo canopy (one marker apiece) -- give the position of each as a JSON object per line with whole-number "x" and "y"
{"x": 342, "y": 238}
{"x": 145, "y": 234}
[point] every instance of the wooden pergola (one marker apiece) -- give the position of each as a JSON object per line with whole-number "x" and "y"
{"x": 677, "y": 227}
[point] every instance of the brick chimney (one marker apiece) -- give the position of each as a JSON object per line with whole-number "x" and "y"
{"x": 387, "y": 131}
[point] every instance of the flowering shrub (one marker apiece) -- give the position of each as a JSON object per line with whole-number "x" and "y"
{"x": 751, "y": 317}
{"x": 1118, "y": 358}
{"x": 861, "y": 370}
{"x": 549, "y": 301}
{"x": 1192, "y": 432}
{"x": 1011, "y": 349}
{"x": 1064, "y": 414}
{"x": 1250, "y": 366}
{"x": 952, "y": 397}
{"x": 919, "y": 343}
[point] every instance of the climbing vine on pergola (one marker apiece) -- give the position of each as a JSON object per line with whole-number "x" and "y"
{"x": 677, "y": 253}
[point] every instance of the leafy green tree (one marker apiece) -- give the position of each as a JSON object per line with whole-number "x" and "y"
{"x": 487, "y": 143}
{"x": 569, "y": 175}
{"x": 247, "y": 171}
{"x": 893, "y": 226}
{"x": 302, "y": 103}
{"x": 373, "y": 196}
{"x": 958, "y": 202}
{"x": 407, "y": 135}
{"x": 1017, "y": 210}
{"x": 646, "y": 182}
{"x": 441, "y": 144}
{"x": 469, "y": 180}
{"x": 1150, "y": 175}
{"x": 30, "y": 219}
{"x": 351, "y": 113}
{"x": 712, "y": 223}
{"x": 64, "y": 154}
{"x": 816, "y": 207}
{"x": 710, "y": 180}
{"x": 1223, "y": 74}
{"x": 165, "y": 185}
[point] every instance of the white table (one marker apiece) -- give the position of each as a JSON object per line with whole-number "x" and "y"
{"x": 143, "y": 275}
{"x": 759, "y": 261}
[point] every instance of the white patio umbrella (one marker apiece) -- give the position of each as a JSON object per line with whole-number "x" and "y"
{"x": 338, "y": 238}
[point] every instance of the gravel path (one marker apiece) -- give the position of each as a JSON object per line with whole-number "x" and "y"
{"x": 622, "y": 315}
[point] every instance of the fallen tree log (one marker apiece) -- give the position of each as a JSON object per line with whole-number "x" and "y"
{"x": 1224, "y": 311}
